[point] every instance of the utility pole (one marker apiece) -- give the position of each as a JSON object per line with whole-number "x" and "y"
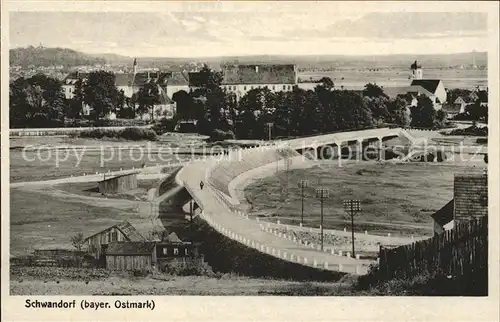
{"x": 352, "y": 207}
{"x": 191, "y": 206}
{"x": 269, "y": 126}
{"x": 303, "y": 184}
{"x": 288, "y": 163}
{"x": 322, "y": 194}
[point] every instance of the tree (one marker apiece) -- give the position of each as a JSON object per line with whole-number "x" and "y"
{"x": 36, "y": 102}
{"x": 423, "y": 115}
{"x": 185, "y": 106}
{"x": 398, "y": 112}
{"x": 77, "y": 241}
{"x": 100, "y": 93}
{"x": 147, "y": 97}
{"x": 327, "y": 83}
{"x": 373, "y": 90}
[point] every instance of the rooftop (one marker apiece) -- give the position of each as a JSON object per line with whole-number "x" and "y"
{"x": 429, "y": 84}
{"x": 130, "y": 248}
{"x": 259, "y": 74}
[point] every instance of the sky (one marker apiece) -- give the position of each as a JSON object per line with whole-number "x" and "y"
{"x": 265, "y": 32}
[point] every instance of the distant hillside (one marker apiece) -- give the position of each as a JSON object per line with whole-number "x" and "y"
{"x": 40, "y": 56}
{"x": 68, "y": 58}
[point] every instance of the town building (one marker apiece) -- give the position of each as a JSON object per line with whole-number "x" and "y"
{"x": 145, "y": 255}
{"x": 118, "y": 183}
{"x": 97, "y": 243}
{"x": 432, "y": 88}
{"x": 168, "y": 83}
{"x": 240, "y": 79}
{"x": 470, "y": 201}
{"x": 130, "y": 256}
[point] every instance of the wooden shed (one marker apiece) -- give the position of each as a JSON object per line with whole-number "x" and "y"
{"x": 130, "y": 255}
{"x": 96, "y": 244}
{"x": 118, "y": 184}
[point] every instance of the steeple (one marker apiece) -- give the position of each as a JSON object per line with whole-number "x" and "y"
{"x": 416, "y": 70}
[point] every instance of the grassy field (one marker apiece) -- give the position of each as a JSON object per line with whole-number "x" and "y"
{"x": 394, "y": 197}
{"x": 46, "y": 164}
{"x": 57, "y": 281}
{"x": 40, "y": 221}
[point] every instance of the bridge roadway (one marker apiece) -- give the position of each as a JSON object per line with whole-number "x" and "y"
{"x": 217, "y": 213}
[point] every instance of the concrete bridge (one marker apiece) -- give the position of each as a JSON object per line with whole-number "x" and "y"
{"x": 221, "y": 214}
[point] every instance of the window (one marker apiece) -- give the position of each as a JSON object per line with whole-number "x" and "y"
{"x": 265, "y": 86}
{"x": 244, "y": 88}
{"x": 284, "y": 87}
{"x": 185, "y": 251}
{"x": 274, "y": 87}
{"x": 114, "y": 236}
{"x": 251, "y": 87}
{"x": 234, "y": 87}
{"x": 165, "y": 250}
{"x": 176, "y": 251}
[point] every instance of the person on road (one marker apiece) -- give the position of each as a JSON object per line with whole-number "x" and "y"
{"x": 201, "y": 185}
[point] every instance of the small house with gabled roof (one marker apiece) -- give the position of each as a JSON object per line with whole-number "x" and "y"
{"x": 97, "y": 243}
{"x": 130, "y": 255}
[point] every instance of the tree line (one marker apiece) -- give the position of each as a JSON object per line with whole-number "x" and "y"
{"x": 39, "y": 102}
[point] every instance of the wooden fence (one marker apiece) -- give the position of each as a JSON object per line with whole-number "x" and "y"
{"x": 454, "y": 252}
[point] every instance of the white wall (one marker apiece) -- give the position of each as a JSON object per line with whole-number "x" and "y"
{"x": 242, "y": 89}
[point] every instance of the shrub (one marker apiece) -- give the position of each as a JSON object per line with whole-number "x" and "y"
{"x": 220, "y": 135}
{"x": 164, "y": 126}
{"x": 194, "y": 267}
{"x": 470, "y": 131}
{"x": 129, "y": 133}
{"x": 137, "y": 134}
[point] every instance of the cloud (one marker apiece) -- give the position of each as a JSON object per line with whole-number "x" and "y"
{"x": 403, "y": 25}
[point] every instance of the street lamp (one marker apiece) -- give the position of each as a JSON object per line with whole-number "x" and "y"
{"x": 303, "y": 184}
{"x": 322, "y": 194}
{"x": 352, "y": 207}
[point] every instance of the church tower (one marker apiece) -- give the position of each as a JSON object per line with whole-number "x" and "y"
{"x": 416, "y": 70}
{"x": 135, "y": 66}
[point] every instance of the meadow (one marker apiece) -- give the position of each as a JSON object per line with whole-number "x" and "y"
{"x": 395, "y": 198}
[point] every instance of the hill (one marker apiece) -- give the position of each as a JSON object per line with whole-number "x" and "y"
{"x": 40, "y": 56}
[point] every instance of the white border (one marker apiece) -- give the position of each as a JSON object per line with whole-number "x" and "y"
{"x": 255, "y": 308}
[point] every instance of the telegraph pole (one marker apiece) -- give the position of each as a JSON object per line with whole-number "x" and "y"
{"x": 269, "y": 126}
{"x": 352, "y": 207}
{"x": 322, "y": 194}
{"x": 303, "y": 184}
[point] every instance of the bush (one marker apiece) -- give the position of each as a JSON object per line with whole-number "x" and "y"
{"x": 130, "y": 133}
{"x": 137, "y": 134}
{"x": 470, "y": 131}
{"x": 220, "y": 135}
{"x": 164, "y": 126}
{"x": 194, "y": 267}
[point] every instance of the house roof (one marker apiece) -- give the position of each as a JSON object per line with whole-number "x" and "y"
{"x": 429, "y": 84}
{"x": 259, "y": 74}
{"x": 127, "y": 230}
{"x": 459, "y": 100}
{"x": 173, "y": 238}
{"x": 445, "y": 214}
{"x": 130, "y": 248}
{"x": 393, "y": 92}
{"x": 139, "y": 79}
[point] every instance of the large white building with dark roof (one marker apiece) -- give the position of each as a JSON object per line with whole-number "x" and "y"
{"x": 240, "y": 79}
